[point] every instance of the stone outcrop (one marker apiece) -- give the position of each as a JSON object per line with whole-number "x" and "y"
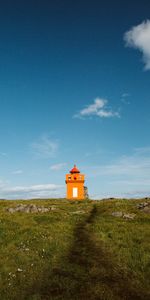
{"x": 29, "y": 208}
{"x": 145, "y": 207}
{"x": 129, "y": 216}
{"x": 117, "y": 214}
{"x": 126, "y": 216}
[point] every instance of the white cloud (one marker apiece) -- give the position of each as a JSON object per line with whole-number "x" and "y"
{"x": 58, "y": 167}
{"x": 98, "y": 108}
{"x": 45, "y": 147}
{"x": 138, "y": 37}
{"x": 33, "y": 191}
{"x": 17, "y": 172}
{"x": 32, "y": 188}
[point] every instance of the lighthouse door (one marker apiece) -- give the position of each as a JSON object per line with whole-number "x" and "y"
{"x": 75, "y": 192}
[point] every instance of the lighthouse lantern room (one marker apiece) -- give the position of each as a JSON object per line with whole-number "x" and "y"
{"x": 75, "y": 185}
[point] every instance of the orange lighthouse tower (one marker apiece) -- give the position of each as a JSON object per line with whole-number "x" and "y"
{"x": 75, "y": 185}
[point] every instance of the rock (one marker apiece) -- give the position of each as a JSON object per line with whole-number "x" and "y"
{"x": 11, "y": 210}
{"x": 123, "y": 215}
{"x": 129, "y": 216}
{"x": 117, "y": 214}
{"x": 147, "y": 209}
{"x": 28, "y": 208}
{"x": 33, "y": 208}
{"x": 78, "y": 212}
{"x": 53, "y": 208}
{"x": 86, "y": 195}
{"x": 44, "y": 209}
{"x": 20, "y": 207}
{"x": 142, "y": 205}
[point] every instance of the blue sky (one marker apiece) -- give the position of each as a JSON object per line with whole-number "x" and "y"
{"x": 74, "y": 88}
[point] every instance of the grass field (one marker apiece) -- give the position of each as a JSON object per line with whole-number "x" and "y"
{"x": 77, "y": 251}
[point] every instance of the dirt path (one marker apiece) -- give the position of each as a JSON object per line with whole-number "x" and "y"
{"x": 89, "y": 271}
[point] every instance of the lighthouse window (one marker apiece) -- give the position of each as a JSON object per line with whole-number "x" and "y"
{"x": 69, "y": 178}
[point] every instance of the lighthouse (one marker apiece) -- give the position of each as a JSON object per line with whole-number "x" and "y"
{"x": 75, "y": 185}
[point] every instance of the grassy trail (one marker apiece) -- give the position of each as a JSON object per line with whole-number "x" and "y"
{"x": 79, "y": 251}
{"x": 89, "y": 271}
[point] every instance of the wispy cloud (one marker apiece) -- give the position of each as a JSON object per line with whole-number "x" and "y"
{"x": 125, "y": 98}
{"x": 98, "y": 108}
{"x": 33, "y": 191}
{"x": 3, "y": 154}
{"x": 138, "y": 37}
{"x": 45, "y": 147}
{"x": 137, "y": 193}
{"x": 136, "y": 165}
{"x": 2, "y": 184}
{"x": 17, "y": 172}
{"x": 124, "y": 95}
{"x": 57, "y": 167}
{"x": 126, "y": 175}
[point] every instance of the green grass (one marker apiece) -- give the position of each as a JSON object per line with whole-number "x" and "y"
{"x": 78, "y": 251}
